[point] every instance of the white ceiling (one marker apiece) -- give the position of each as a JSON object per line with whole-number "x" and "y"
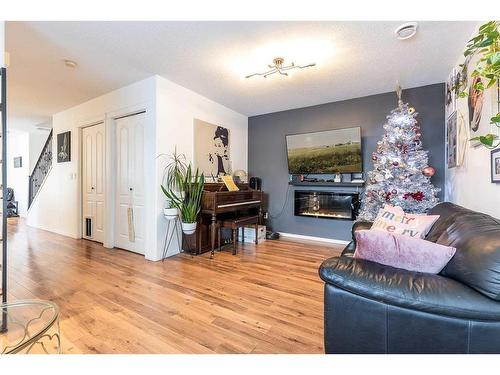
{"x": 354, "y": 59}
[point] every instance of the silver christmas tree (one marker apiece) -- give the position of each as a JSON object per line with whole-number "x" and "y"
{"x": 401, "y": 174}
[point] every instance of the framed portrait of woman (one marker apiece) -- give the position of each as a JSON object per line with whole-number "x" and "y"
{"x": 211, "y": 149}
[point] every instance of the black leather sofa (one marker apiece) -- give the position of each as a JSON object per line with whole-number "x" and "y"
{"x": 372, "y": 308}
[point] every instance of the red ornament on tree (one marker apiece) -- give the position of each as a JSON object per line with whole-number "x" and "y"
{"x": 428, "y": 171}
{"x": 395, "y": 163}
{"x": 418, "y": 196}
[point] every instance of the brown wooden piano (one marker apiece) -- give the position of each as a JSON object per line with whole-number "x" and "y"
{"x": 217, "y": 203}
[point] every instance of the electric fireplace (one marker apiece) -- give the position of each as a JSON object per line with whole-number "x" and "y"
{"x": 326, "y": 204}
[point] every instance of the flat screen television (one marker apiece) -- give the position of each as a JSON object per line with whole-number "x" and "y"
{"x": 325, "y": 152}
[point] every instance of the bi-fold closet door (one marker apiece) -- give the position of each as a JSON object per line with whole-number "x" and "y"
{"x": 130, "y": 199}
{"x": 128, "y": 186}
{"x": 93, "y": 181}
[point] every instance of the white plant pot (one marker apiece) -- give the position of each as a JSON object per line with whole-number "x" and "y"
{"x": 188, "y": 228}
{"x": 170, "y": 213}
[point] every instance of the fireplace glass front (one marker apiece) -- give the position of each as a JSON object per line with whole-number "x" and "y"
{"x": 326, "y": 204}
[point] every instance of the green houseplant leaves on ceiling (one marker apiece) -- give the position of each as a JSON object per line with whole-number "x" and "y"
{"x": 486, "y": 44}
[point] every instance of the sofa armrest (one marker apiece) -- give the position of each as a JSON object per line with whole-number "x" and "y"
{"x": 413, "y": 290}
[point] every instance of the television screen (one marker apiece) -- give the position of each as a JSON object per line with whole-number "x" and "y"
{"x": 325, "y": 152}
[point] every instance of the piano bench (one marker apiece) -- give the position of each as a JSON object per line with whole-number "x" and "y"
{"x": 240, "y": 222}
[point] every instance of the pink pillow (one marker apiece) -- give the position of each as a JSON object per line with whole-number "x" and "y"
{"x": 393, "y": 219}
{"x": 413, "y": 254}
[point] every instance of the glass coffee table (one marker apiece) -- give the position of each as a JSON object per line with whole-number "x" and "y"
{"x": 29, "y": 326}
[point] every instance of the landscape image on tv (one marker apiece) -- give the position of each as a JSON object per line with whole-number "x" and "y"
{"x": 325, "y": 152}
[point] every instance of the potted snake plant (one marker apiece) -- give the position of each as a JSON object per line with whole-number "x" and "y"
{"x": 188, "y": 199}
{"x": 176, "y": 165}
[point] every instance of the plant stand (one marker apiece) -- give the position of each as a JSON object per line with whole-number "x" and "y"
{"x": 175, "y": 224}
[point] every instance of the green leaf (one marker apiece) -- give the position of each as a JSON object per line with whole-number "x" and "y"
{"x": 495, "y": 58}
{"x": 479, "y": 86}
{"x": 486, "y": 42}
{"x": 463, "y": 94}
{"x": 491, "y": 82}
{"x": 487, "y": 139}
{"x": 468, "y": 52}
{"x": 493, "y": 35}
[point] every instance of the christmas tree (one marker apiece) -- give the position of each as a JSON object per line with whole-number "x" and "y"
{"x": 401, "y": 174}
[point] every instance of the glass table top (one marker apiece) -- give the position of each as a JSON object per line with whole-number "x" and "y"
{"x": 25, "y": 326}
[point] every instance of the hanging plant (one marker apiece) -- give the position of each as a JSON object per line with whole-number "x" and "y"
{"x": 486, "y": 44}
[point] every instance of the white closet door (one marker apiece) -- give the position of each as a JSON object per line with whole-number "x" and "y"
{"x": 93, "y": 182}
{"x": 129, "y": 216}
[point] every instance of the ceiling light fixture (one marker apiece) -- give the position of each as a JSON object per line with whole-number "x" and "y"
{"x": 70, "y": 63}
{"x": 406, "y": 30}
{"x": 278, "y": 67}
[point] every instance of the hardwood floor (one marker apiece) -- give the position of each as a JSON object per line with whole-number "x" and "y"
{"x": 266, "y": 299}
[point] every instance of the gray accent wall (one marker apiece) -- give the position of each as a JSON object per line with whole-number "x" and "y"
{"x": 267, "y": 149}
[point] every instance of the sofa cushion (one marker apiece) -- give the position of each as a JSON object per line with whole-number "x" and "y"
{"x": 447, "y": 213}
{"x": 393, "y": 219}
{"x": 400, "y": 251}
{"x": 351, "y": 246}
{"x": 413, "y": 290}
{"x": 476, "y": 237}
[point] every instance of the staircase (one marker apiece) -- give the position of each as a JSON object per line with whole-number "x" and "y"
{"x": 42, "y": 167}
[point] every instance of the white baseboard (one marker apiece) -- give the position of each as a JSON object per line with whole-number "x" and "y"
{"x": 311, "y": 238}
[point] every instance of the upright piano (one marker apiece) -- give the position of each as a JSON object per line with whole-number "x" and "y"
{"x": 216, "y": 203}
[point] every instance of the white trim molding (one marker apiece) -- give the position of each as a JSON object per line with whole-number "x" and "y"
{"x": 311, "y": 238}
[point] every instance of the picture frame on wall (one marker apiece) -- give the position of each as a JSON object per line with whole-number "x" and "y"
{"x": 475, "y": 100}
{"x": 18, "y": 162}
{"x": 452, "y": 141}
{"x": 64, "y": 147}
{"x": 495, "y": 166}
{"x": 450, "y": 94}
{"x": 495, "y": 108}
{"x": 212, "y": 149}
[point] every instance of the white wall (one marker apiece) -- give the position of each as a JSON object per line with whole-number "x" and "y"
{"x": 27, "y": 145}
{"x": 171, "y": 110}
{"x": 17, "y": 178}
{"x": 37, "y": 139}
{"x": 57, "y": 207}
{"x": 470, "y": 184}
{"x": 176, "y": 109}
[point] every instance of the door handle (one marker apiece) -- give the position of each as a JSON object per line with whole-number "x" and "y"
{"x": 131, "y": 189}
{"x": 93, "y": 188}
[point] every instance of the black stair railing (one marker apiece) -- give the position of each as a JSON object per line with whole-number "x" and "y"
{"x": 41, "y": 169}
